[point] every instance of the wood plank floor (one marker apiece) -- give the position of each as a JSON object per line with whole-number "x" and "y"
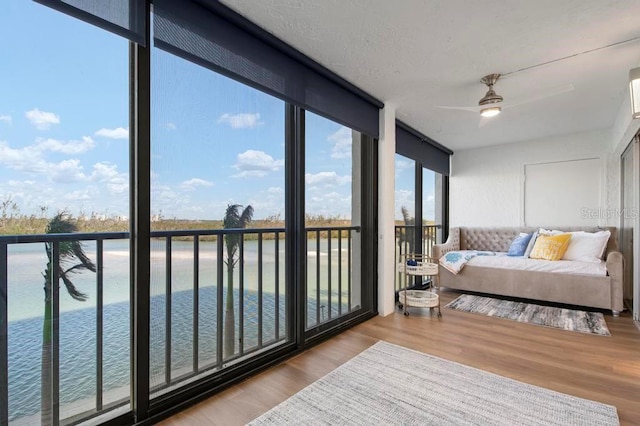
{"x": 605, "y": 369}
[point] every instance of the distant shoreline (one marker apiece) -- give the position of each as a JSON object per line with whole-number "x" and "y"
{"x": 27, "y": 225}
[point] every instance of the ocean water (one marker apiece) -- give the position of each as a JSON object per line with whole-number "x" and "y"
{"x": 78, "y": 345}
{"x": 78, "y": 326}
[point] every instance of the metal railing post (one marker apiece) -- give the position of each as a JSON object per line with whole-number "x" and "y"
{"x": 277, "y": 286}
{"x": 260, "y": 283}
{"x": 220, "y": 301}
{"x": 55, "y": 334}
{"x": 167, "y": 313}
{"x": 99, "y": 321}
{"x": 4, "y": 334}
{"x": 241, "y": 296}
{"x": 196, "y": 302}
{"x": 339, "y": 272}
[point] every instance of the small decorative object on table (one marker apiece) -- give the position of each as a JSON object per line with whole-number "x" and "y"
{"x": 412, "y": 264}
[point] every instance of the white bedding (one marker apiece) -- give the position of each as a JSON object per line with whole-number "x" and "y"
{"x": 561, "y": 266}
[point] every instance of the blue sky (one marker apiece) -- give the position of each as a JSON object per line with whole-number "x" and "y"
{"x": 64, "y": 114}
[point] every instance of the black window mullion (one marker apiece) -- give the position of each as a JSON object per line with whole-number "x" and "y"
{"x": 140, "y": 224}
{"x": 445, "y": 208}
{"x": 369, "y": 223}
{"x": 295, "y": 241}
{"x": 418, "y": 207}
{"x": 417, "y": 222}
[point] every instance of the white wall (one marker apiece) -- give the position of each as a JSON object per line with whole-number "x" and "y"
{"x": 567, "y": 191}
{"x": 486, "y": 185}
{"x": 386, "y": 214}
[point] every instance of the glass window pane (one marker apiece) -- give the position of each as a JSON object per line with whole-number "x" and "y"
{"x": 431, "y": 209}
{"x": 332, "y": 205}
{"x": 217, "y": 163}
{"x": 64, "y": 147}
{"x": 405, "y": 206}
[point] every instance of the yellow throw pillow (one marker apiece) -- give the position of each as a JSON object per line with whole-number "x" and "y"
{"x": 550, "y": 247}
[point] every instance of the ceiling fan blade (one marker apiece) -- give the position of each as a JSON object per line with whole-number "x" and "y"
{"x": 543, "y": 95}
{"x": 462, "y": 108}
{"x": 508, "y": 104}
{"x": 484, "y": 121}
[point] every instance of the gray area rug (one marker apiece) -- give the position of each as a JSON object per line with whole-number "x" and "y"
{"x": 565, "y": 319}
{"x": 391, "y": 385}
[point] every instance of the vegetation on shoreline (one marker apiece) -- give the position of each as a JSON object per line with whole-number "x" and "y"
{"x": 13, "y": 222}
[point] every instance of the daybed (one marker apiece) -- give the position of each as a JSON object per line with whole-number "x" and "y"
{"x": 604, "y": 291}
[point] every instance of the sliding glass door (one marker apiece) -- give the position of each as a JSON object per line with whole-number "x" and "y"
{"x": 628, "y": 225}
{"x": 218, "y": 259}
{"x": 333, "y": 222}
{"x": 214, "y": 246}
{"x": 64, "y": 206}
{"x": 421, "y": 203}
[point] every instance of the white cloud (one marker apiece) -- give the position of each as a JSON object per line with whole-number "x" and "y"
{"x": 404, "y": 164}
{"x": 171, "y": 126}
{"x": 103, "y": 172}
{"x": 117, "y": 133}
{"x": 329, "y": 204}
{"x": 78, "y": 195}
{"x": 65, "y": 171}
{"x": 326, "y": 179}
{"x": 70, "y": 147}
{"x": 21, "y": 184}
{"x": 192, "y": 184}
{"x": 166, "y": 199}
{"x": 42, "y": 120}
{"x": 241, "y": 121}
{"x": 256, "y": 164}
{"x": 275, "y": 190}
{"x": 116, "y": 182}
{"x": 30, "y": 160}
{"x": 6, "y": 119}
{"x": 27, "y": 159}
{"x": 342, "y": 143}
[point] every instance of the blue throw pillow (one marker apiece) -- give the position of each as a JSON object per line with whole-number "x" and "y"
{"x": 519, "y": 245}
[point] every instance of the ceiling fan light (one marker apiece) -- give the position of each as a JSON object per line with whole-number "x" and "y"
{"x": 490, "y": 112}
{"x": 634, "y": 89}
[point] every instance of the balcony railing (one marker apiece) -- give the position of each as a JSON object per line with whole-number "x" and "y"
{"x": 333, "y": 246}
{"x": 176, "y": 305}
{"x": 406, "y": 242}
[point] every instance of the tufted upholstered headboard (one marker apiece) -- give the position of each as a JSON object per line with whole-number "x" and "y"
{"x": 499, "y": 239}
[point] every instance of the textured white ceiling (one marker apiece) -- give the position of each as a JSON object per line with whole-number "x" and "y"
{"x": 417, "y": 54}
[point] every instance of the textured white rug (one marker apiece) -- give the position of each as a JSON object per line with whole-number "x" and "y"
{"x": 530, "y": 313}
{"x": 391, "y": 385}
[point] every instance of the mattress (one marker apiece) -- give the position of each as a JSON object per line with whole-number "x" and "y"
{"x": 502, "y": 261}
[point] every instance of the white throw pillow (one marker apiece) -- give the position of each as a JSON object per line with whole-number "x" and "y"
{"x": 532, "y": 242}
{"x": 587, "y": 246}
{"x": 543, "y": 231}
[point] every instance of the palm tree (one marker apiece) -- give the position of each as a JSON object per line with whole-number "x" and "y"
{"x": 409, "y": 231}
{"x": 72, "y": 259}
{"x": 233, "y": 219}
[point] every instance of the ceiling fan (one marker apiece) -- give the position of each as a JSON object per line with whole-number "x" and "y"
{"x": 492, "y": 104}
